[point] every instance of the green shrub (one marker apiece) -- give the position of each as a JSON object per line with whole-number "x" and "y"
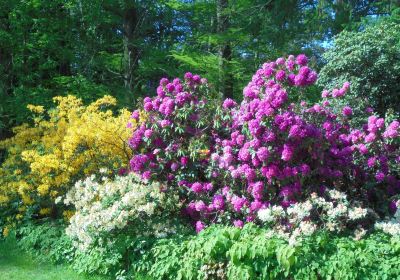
{"x": 370, "y": 61}
{"x": 48, "y": 242}
{"x": 221, "y": 252}
{"x": 231, "y": 253}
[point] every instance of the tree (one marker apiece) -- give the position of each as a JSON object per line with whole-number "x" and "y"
{"x": 93, "y": 47}
{"x": 224, "y": 50}
{"x": 369, "y": 60}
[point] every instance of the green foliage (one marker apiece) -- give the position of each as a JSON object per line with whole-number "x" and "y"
{"x": 63, "y": 47}
{"x": 59, "y": 47}
{"x": 369, "y": 60}
{"x": 47, "y": 242}
{"x": 249, "y": 254}
{"x": 222, "y": 253}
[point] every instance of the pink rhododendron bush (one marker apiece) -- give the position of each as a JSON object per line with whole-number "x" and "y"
{"x": 173, "y": 145}
{"x": 274, "y": 159}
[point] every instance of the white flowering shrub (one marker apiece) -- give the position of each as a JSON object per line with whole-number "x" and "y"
{"x": 391, "y": 225}
{"x": 333, "y": 212}
{"x": 126, "y": 204}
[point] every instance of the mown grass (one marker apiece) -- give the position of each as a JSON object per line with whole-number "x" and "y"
{"x": 17, "y": 265}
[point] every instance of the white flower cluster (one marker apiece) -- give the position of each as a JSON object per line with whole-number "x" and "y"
{"x": 357, "y": 213}
{"x": 391, "y": 226}
{"x": 271, "y": 214}
{"x": 214, "y": 271}
{"x": 108, "y": 205}
{"x": 333, "y": 213}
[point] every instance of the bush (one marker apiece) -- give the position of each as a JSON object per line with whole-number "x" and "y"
{"x": 47, "y": 241}
{"x": 280, "y": 152}
{"x": 174, "y": 142}
{"x": 370, "y": 61}
{"x": 314, "y": 180}
{"x": 116, "y": 219}
{"x": 274, "y": 150}
{"x": 124, "y": 207}
{"x": 221, "y": 252}
{"x": 230, "y": 253}
{"x": 63, "y": 145}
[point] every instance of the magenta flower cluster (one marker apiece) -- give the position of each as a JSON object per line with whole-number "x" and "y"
{"x": 165, "y": 145}
{"x": 273, "y": 152}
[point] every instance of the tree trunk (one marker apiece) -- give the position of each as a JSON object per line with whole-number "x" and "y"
{"x": 64, "y": 63}
{"x": 224, "y": 51}
{"x": 131, "y": 54}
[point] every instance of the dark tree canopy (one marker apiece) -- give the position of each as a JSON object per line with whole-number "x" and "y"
{"x": 123, "y": 48}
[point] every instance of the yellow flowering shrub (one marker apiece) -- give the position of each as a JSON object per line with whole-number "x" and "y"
{"x": 63, "y": 145}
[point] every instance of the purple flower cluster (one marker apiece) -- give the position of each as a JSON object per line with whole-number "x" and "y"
{"x": 160, "y": 143}
{"x": 279, "y": 152}
{"x": 272, "y": 151}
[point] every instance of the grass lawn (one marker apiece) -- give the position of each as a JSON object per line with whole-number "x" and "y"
{"x": 17, "y": 265}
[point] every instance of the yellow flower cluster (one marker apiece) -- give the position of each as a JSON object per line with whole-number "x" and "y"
{"x": 6, "y": 231}
{"x": 65, "y": 144}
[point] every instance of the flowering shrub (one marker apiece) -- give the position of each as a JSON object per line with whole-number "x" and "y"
{"x": 280, "y": 152}
{"x": 174, "y": 142}
{"x": 303, "y": 218}
{"x": 104, "y": 209}
{"x": 64, "y": 144}
{"x": 273, "y": 151}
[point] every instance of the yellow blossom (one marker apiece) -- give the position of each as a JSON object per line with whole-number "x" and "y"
{"x": 204, "y": 153}
{"x": 3, "y": 199}
{"x": 17, "y": 171}
{"x": 68, "y": 214}
{"x": 6, "y": 231}
{"x": 35, "y": 109}
{"x": 43, "y": 189}
{"x": 65, "y": 144}
{"x": 45, "y": 211}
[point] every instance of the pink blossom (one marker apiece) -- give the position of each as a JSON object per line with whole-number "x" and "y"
{"x": 301, "y": 59}
{"x": 238, "y": 223}
{"x": 229, "y": 103}
{"x": 199, "y": 226}
{"x": 148, "y": 133}
{"x": 347, "y": 111}
{"x": 184, "y": 161}
{"x": 218, "y": 202}
{"x": 165, "y": 123}
{"x": 287, "y": 152}
{"x": 200, "y": 206}
{"x": 280, "y": 75}
{"x": 197, "y": 187}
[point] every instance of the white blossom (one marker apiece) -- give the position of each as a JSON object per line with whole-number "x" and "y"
{"x": 102, "y": 207}
{"x": 357, "y": 213}
{"x": 265, "y": 215}
{"x": 391, "y": 226}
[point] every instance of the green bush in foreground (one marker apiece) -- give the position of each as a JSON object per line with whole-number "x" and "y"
{"x": 226, "y": 253}
{"x": 231, "y": 253}
{"x": 49, "y": 242}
